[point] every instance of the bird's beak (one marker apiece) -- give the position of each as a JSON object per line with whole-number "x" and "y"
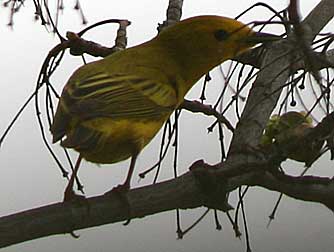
{"x": 261, "y": 37}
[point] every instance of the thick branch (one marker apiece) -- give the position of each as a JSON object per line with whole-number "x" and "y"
{"x": 183, "y": 192}
{"x": 62, "y": 218}
{"x": 261, "y": 100}
{"x": 308, "y": 188}
{"x": 319, "y": 16}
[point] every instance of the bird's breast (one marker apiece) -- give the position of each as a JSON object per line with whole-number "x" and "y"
{"x": 120, "y": 139}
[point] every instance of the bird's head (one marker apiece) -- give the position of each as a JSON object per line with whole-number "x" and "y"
{"x": 211, "y": 38}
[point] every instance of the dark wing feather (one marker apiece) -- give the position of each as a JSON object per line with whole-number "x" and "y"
{"x": 117, "y": 97}
{"x": 120, "y": 96}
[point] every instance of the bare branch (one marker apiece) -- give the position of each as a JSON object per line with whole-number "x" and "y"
{"x": 186, "y": 191}
{"x": 273, "y": 75}
{"x": 319, "y": 17}
{"x": 65, "y": 217}
{"x": 307, "y": 188}
{"x": 80, "y": 46}
{"x": 174, "y": 13}
{"x": 198, "y": 107}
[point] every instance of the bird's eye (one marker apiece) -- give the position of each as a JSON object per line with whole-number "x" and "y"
{"x": 221, "y": 35}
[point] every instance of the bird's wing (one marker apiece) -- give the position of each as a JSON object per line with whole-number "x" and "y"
{"x": 119, "y": 96}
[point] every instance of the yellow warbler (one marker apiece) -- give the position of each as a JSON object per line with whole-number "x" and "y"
{"x": 111, "y": 108}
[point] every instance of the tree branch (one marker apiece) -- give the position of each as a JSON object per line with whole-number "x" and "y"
{"x": 186, "y": 191}
{"x": 198, "y": 107}
{"x": 275, "y": 70}
{"x": 319, "y": 17}
{"x": 174, "y": 13}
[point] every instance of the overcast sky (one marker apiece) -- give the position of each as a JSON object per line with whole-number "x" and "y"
{"x": 30, "y": 178}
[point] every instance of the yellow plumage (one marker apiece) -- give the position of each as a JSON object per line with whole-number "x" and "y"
{"x": 111, "y": 108}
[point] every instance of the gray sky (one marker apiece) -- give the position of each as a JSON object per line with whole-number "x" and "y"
{"x": 30, "y": 178}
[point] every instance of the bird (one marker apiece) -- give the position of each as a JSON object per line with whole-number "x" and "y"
{"x": 110, "y": 109}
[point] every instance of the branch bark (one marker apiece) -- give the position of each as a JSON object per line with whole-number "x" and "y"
{"x": 319, "y": 17}
{"x": 184, "y": 192}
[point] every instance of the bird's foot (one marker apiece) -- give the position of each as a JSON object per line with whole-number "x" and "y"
{"x": 78, "y": 200}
